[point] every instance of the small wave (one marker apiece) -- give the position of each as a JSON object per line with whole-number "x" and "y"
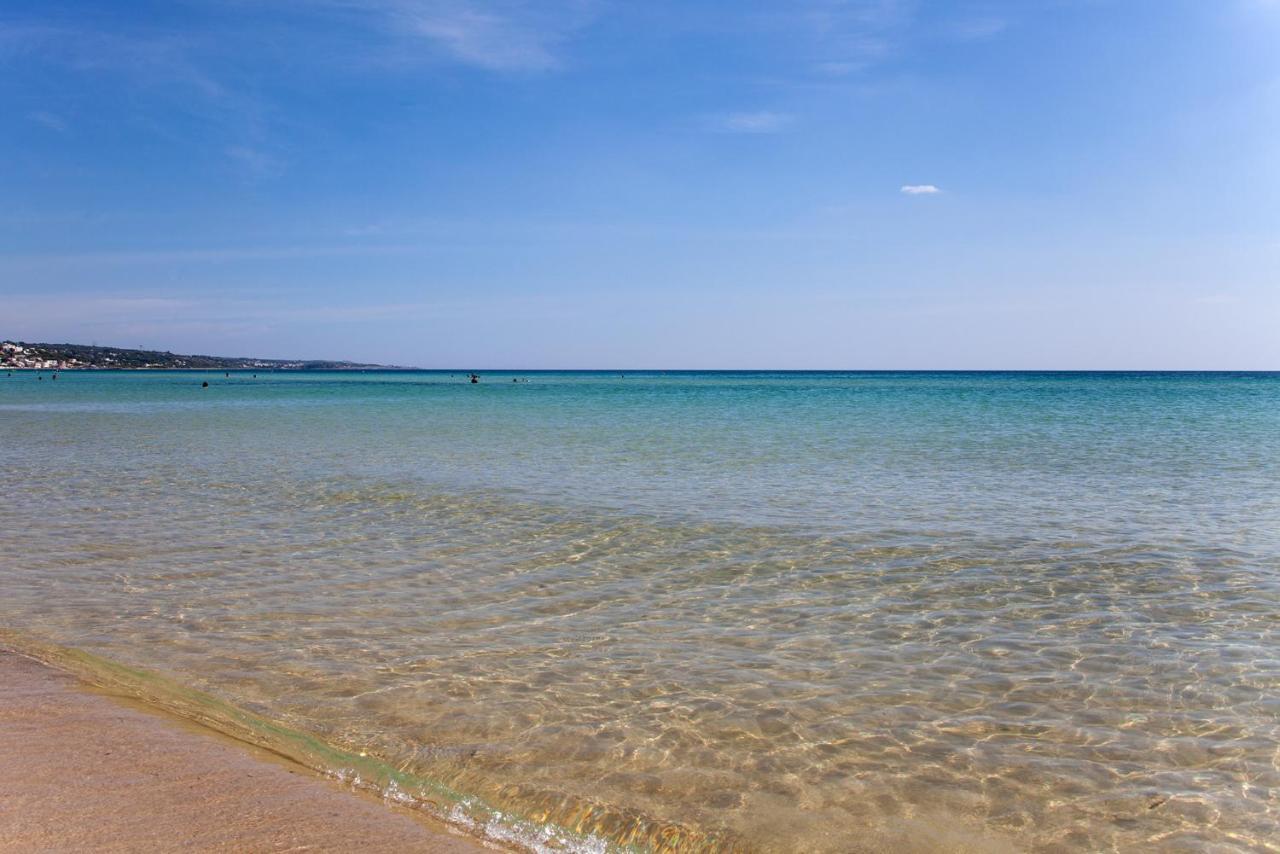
{"x": 359, "y": 771}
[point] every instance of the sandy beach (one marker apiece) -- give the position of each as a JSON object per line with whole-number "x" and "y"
{"x": 82, "y": 770}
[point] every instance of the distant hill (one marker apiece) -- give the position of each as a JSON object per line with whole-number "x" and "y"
{"x": 19, "y": 354}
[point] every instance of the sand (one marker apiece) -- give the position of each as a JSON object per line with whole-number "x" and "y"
{"x": 81, "y": 770}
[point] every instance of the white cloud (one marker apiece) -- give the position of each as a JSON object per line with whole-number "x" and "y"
{"x": 761, "y": 121}
{"x": 920, "y": 189}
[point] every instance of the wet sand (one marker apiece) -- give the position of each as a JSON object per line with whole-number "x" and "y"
{"x": 82, "y": 770}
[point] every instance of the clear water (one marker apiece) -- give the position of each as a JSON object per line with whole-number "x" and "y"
{"x": 764, "y": 611}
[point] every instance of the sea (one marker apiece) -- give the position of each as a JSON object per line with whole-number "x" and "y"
{"x": 685, "y": 611}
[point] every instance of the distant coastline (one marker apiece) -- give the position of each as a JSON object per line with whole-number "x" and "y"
{"x": 62, "y": 357}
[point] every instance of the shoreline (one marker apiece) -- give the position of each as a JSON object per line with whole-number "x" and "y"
{"x": 86, "y": 768}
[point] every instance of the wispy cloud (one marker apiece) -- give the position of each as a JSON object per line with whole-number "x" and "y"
{"x": 979, "y": 28}
{"x": 496, "y": 35}
{"x": 255, "y": 162}
{"x": 839, "y": 68}
{"x": 840, "y": 16}
{"x": 146, "y": 321}
{"x": 481, "y": 38}
{"x": 1216, "y": 299}
{"x": 761, "y": 121}
{"x": 140, "y": 319}
{"x": 152, "y": 57}
{"x": 54, "y": 261}
{"x": 854, "y": 34}
{"x": 50, "y": 121}
{"x": 919, "y": 190}
{"x": 174, "y": 79}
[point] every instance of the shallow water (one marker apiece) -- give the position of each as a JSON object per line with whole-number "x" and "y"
{"x": 780, "y": 612}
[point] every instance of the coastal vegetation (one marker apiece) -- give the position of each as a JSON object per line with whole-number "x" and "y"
{"x": 20, "y": 354}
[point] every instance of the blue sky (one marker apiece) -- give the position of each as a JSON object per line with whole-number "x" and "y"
{"x": 819, "y": 183}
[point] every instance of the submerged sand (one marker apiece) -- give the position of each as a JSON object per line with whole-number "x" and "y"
{"x": 82, "y": 770}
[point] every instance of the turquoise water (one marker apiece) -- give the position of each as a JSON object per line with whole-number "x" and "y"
{"x": 771, "y": 611}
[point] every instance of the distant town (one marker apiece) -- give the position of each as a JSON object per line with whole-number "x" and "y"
{"x": 65, "y": 357}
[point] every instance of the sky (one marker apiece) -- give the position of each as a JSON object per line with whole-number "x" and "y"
{"x": 594, "y": 184}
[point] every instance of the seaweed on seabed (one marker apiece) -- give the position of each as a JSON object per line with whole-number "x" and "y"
{"x": 620, "y": 828}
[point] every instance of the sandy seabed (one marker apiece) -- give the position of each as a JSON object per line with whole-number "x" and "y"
{"x": 81, "y": 770}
